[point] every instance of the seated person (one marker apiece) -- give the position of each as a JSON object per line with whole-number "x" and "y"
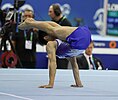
{"x": 88, "y": 61}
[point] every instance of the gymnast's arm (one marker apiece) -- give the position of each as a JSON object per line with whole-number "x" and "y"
{"x": 76, "y": 75}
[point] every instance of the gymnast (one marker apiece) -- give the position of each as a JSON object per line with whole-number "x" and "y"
{"x": 64, "y": 42}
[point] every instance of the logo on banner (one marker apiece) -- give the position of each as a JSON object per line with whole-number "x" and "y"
{"x": 112, "y": 44}
{"x": 98, "y": 20}
{"x": 66, "y": 9}
{"x": 99, "y": 44}
{"x": 99, "y": 14}
{"x": 9, "y": 5}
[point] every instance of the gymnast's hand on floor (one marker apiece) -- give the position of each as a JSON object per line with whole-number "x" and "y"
{"x": 77, "y": 85}
{"x": 46, "y": 86}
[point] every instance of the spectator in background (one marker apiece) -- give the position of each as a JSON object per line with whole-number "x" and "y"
{"x": 2, "y": 17}
{"x": 25, "y": 44}
{"x": 55, "y": 14}
{"x": 88, "y": 61}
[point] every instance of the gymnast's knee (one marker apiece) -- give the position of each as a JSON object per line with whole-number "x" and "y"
{"x": 50, "y": 45}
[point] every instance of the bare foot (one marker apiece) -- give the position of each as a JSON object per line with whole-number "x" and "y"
{"x": 77, "y": 85}
{"x": 26, "y": 24}
{"x": 46, "y": 86}
{"x": 23, "y": 26}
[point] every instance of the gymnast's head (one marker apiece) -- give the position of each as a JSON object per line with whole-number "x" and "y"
{"x": 43, "y": 38}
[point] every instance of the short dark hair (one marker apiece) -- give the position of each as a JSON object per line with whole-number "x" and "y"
{"x": 57, "y": 9}
{"x": 41, "y": 40}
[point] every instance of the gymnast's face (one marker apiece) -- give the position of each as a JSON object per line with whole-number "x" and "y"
{"x": 49, "y": 38}
{"x": 51, "y": 12}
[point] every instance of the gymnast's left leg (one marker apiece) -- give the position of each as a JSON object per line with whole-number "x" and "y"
{"x": 51, "y": 28}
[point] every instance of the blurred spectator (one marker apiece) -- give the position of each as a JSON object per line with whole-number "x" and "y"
{"x": 55, "y": 14}
{"x": 25, "y": 44}
{"x": 88, "y": 61}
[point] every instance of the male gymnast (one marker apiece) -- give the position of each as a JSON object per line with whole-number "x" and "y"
{"x": 70, "y": 43}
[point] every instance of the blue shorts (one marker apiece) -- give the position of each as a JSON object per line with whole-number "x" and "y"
{"x": 80, "y": 38}
{"x": 65, "y": 51}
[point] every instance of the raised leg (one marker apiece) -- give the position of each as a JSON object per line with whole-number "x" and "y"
{"x": 49, "y": 27}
